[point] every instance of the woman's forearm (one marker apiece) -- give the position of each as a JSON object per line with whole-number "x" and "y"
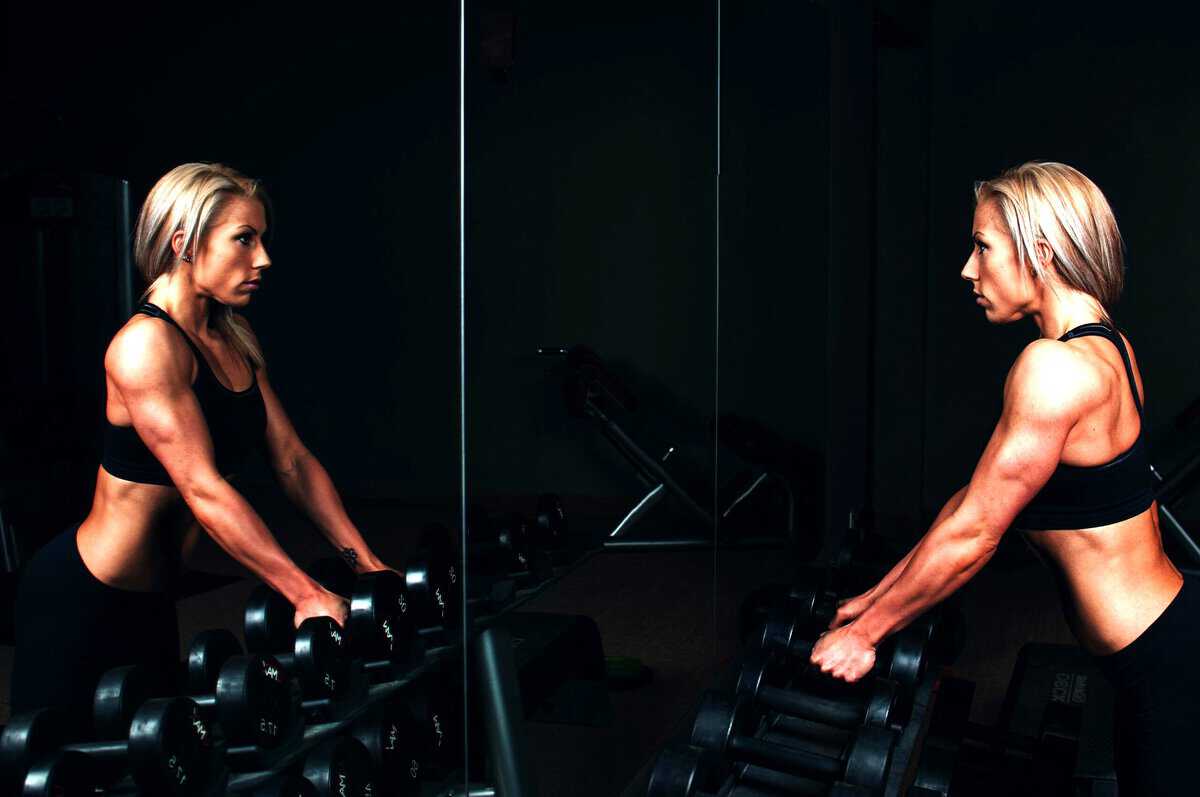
{"x": 309, "y": 487}
{"x": 948, "y": 556}
{"x": 888, "y": 580}
{"x": 236, "y": 527}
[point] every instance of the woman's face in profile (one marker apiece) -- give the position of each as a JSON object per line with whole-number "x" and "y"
{"x": 230, "y": 264}
{"x": 1003, "y": 289}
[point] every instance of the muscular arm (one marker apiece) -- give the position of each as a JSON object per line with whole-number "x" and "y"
{"x": 853, "y": 607}
{"x": 152, "y": 374}
{"x": 1046, "y": 393}
{"x": 948, "y": 508}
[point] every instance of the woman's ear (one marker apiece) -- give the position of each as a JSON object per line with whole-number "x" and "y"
{"x": 177, "y": 239}
{"x": 1044, "y": 255}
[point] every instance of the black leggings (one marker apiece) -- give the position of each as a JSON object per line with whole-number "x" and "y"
{"x": 1157, "y": 681}
{"x": 71, "y": 628}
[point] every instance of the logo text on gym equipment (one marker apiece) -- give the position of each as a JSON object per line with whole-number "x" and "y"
{"x": 1069, "y": 687}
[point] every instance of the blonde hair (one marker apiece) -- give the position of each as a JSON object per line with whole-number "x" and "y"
{"x": 189, "y": 198}
{"x": 1059, "y": 205}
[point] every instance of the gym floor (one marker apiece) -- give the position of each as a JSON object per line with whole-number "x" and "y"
{"x": 659, "y": 607}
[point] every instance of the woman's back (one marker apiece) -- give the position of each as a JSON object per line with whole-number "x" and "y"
{"x": 1115, "y": 577}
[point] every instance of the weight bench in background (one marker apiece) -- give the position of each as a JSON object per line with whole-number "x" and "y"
{"x": 591, "y": 391}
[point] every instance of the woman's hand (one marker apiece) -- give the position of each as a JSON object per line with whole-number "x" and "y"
{"x": 323, "y": 604}
{"x": 848, "y": 610}
{"x": 844, "y": 654}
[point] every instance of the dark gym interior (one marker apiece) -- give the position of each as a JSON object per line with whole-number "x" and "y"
{"x": 671, "y": 288}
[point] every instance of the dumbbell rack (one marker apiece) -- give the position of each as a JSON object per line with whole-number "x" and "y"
{"x": 312, "y": 735}
{"x": 499, "y": 701}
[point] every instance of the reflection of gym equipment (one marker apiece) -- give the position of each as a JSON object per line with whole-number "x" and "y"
{"x": 592, "y": 391}
{"x": 1171, "y": 489}
{"x": 1167, "y": 492}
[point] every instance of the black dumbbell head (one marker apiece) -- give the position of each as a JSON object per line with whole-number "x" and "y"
{"x": 683, "y": 771}
{"x": 380, "y": 622}
{"x": 321, "y": 659}
{"x": 778, "y": 632}
{"x": 757, "y": 671}
{"x": 719, "y": 718}
{"x": 206, "y": 656}
{"x": 28, "y": 737}
{"x": 908, "y": 651}
{"x": 64, "y": 773}
{"x": 398, "y": 746}
{"x": 340, "y": 765}
{"x": 269, "y": 622}
{"x": 869, "y": 757}
{"x": 433, "y": 580}
{"x": 171, "y": 748}
{"x": 119, "y": 694}
{"x": 253, "y": 701}
{"x": 550, "y": 524}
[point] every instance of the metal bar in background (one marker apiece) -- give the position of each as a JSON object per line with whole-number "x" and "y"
{"x": 501, "y": 696}
{"x": 39, "y": 301}
{"x": 8, "y": 545}
{"x": 125, "y": 280}
{"x": 851, "y": 265}
{"x": 642, "y": 507}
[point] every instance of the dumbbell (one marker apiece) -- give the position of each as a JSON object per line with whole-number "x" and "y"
{"x": 402, "y": 745}
{"x": 694, "y": 772}
{"x": 315, "y": 653}
{"x": 503, "y": 542}
{"x": 248, "y": 695}
{"x": 503, "y": 556}
{"x": 167, "y": 748}
{"x": 880, "y": 706}
{"x": 809, "y": 601}
{"x": 902, "y": 658}
{"x": 550, "y": 522}
{"x": 63, "y": 773}
{"x": 338, "y": 767}
{"x": 379, "y": 628}
{"x": 434, "y": 583}
{"x": 726, "y": 726}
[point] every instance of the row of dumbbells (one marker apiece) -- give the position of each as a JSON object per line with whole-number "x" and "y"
{"x": 239, "y": 713}
{"x": 789, "y": 729}
{"x": 259, "y": 702}
{"x": 512, "y": 549}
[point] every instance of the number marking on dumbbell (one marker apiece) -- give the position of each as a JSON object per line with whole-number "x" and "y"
{"x": 386, "y": 627}
{"x": 176, "y": 769}
{"x": 393, "y": 737}
{"x": 437, "y": 730}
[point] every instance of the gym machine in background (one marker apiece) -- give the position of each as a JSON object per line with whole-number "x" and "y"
{"x": 765, "y": 491}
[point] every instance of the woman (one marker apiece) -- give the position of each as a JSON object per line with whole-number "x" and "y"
{"x": 187, "y": 399}
{"x": 1066, "y": 465}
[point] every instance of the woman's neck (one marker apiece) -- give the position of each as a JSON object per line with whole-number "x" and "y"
{"x": 1065, "y": 311}
{"x": 186, "y": 307}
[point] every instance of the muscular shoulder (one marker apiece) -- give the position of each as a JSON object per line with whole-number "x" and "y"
{"x": 1050, "y": 380}
{"x": 146, "y": 352}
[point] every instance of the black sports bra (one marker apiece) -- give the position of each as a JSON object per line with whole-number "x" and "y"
{"x": 1078, "y": 497}
{"x": 237, "y": 422}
